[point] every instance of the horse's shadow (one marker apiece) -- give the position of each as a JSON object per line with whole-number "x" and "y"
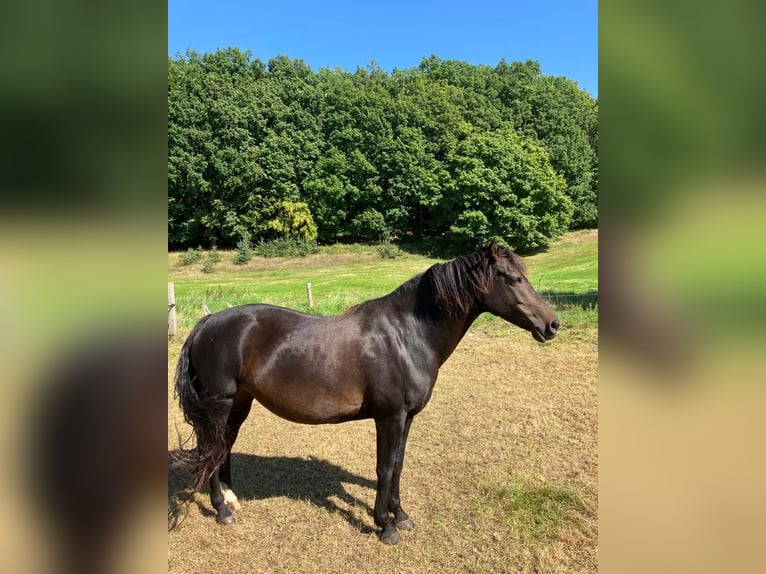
{"x": 261, "y": 477}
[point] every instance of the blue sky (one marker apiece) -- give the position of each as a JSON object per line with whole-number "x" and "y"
{"x": 561, "y": 35}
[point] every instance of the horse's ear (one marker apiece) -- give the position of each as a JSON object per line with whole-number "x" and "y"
{"x": 494, "y": 251}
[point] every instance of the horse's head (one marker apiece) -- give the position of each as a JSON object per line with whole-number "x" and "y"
{"x": 512, "y": 297}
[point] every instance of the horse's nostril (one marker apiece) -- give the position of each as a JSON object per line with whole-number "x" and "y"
{"x": 554, "y": 326}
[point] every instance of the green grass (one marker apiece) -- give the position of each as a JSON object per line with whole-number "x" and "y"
{"x": 335, "y": 288}
{"x": 342, "y": 276}
{"x": 569, "y": 266}
{"x": 532, "y": 512}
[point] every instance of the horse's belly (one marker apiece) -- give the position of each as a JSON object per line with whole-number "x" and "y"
{"x": 310, "y": 401}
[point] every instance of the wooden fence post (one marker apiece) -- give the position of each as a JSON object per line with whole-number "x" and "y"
{"x": 309, "y": 295}
{"x": 172, "y": 324}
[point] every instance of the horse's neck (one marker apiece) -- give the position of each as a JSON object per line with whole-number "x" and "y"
{"x": 447, "y": 332}
{"x": 440, "y": 332}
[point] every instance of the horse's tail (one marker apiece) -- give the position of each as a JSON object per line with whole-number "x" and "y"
{"x": 207, "y": 415}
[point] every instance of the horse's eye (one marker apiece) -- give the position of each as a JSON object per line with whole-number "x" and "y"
{"x": 513, "y": 280}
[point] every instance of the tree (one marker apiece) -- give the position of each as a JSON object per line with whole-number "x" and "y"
{"x": 563, "y": 119}
{"x": 213, "y": 168}
{"x": 504, "y": 187}
{"x": 447, "y": 149}
{"x": 293, "y": 220}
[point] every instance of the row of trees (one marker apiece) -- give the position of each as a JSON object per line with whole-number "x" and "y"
{"x": 447, "y": 150}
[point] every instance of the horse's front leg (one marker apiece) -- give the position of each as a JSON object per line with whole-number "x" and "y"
{"x": 389, "y": 433}
{"x": 401, "y": 518}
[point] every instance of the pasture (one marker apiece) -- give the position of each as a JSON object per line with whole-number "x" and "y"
{"x": 508, "y": 485}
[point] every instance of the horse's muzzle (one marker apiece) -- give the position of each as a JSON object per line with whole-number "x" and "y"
{"x": 547, "y": 333}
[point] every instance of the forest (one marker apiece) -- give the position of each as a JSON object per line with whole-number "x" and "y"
{"x": 446, "y": 151}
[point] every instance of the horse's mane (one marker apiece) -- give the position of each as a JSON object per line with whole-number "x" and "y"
{"x": 457, "y": 284}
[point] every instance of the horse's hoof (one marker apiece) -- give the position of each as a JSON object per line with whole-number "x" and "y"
{"x": 226, "y": 520}
{"x": 405, "y": 524}
{"x": 390, "y": 536}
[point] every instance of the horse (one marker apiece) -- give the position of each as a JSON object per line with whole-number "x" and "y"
{"x": 378, "y": 360}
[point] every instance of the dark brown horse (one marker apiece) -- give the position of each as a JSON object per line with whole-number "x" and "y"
{"x": 378, "y": 360}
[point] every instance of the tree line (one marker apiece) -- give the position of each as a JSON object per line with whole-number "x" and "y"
{"x": 448, "y": 150}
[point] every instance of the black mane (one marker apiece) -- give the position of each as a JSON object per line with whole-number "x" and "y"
{"x": 457, "y": 284}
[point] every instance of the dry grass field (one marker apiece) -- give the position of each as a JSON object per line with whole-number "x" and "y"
{"x": 508, "y": 417}
{"x": 500, "y": 475}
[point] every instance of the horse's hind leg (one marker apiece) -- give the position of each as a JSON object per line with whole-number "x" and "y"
{"x": 229, "y": 498}
{"x": 220, "y": 447}
{"x": 239, "y": 411}
{"x": 218, "y": 500}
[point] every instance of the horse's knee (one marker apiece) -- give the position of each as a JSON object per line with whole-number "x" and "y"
{"x": 385, "y": 472}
